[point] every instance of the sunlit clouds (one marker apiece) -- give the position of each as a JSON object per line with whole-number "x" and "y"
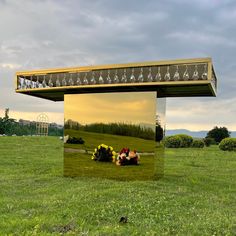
{"x": 133, "y": 108}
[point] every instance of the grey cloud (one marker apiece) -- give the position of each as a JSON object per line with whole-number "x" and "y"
{"x": 43, "y": 34}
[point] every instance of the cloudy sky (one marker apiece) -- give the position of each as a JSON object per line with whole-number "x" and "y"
{"x": 44, "y": 34}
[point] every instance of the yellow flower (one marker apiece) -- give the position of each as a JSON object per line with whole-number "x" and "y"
{"x": 105, "y": 146}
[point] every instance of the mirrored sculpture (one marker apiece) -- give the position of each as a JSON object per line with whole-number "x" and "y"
{"x": 115, "y": 114}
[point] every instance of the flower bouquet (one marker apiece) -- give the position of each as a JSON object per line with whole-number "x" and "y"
{"x": 104, "y": 153}
{"x": 127, "y": 157}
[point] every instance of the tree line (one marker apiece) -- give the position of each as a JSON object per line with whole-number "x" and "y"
{"x": 9, "y": 126}
{"x": 123, "y": 129}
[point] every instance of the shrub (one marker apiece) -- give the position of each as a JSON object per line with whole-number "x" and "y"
{"x": 198, "y": 143}
{"x": 228, "y": 144}
{"x": 209, "y": 141}
{"x": 173, "y": 142}
{"x": 186, "y": 140}
{"x": 218, "y": 134}
{"x": 74, "y": 140}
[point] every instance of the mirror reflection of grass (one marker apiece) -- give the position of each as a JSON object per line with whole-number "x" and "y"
{"x": 92, "y": 140}
{"x": 82, "y": 165}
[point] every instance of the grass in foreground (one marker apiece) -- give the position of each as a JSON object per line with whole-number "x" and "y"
{"x": 196, "y": 196}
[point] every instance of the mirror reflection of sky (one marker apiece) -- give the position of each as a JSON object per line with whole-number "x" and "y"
{"x": 161, "y": 111}
{"x": 134, "y": 108}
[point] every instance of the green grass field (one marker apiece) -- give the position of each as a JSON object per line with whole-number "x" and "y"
{"x": 197, "y": 196}
{"x": 77, "y": 164}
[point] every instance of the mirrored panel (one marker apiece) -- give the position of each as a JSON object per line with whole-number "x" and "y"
{"x": 159, "y": 136}
{"x": 111, "y": 136}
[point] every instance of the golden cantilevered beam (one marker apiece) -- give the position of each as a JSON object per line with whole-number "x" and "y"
{"x": 175, "y": 78}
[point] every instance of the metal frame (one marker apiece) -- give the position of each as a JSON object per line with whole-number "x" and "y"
{"x": 163, "y": 88}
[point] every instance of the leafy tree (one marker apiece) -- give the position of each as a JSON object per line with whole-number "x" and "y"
{"x": 218, "y": 133}
{"x": 6, "y": 123}
{"x": 9, "y": 126}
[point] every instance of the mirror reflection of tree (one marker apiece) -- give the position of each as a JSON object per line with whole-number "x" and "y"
{"x": 159, "y": 129}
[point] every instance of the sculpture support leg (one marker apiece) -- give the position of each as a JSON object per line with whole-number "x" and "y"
{"x": 160, "y": 134}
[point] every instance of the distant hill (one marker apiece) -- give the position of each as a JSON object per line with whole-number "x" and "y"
{"x": 196, "y": 134}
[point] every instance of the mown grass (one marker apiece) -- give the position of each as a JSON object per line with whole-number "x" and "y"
{"x": 196, "y": 196}
{"x": 77, "y": 164}
{"x": 92, "y": 140}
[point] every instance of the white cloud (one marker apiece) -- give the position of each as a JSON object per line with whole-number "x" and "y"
{"x": 202, "y": 37}
{"x": 228, "y": 14}
{"x": 10, "y": 66}
{"x": 199, "y": 114}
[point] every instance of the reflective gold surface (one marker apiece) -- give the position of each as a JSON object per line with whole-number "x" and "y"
{"x": 128, "y": 112}
{"x": 182, "y": 87}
